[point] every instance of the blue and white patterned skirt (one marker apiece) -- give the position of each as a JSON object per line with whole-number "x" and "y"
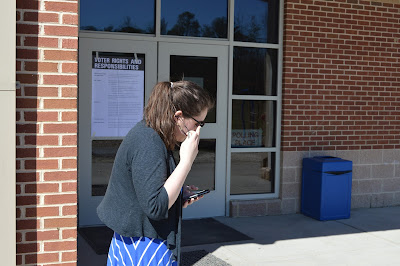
{"x": 139, "y": 251}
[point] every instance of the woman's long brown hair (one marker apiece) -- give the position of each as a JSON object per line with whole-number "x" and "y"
{"x": 165, "y": 100}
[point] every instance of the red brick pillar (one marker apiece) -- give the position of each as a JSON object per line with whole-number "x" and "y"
{"x": 47, "y": 44}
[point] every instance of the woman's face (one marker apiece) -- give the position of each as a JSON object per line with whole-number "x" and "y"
{"x": 186, "y": 124}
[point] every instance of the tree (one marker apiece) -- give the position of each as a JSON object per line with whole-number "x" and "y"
{"x": 218, "y": 28}
{"x": 163, "y": 26}
{"x": 253, "y": 30}
{"x": 109, "y": 28}
{"x": 186, "y": 25}
{"x": 248, "y": 32}
{"x": 127, "y": 26}
{"x": 93, "y": 28}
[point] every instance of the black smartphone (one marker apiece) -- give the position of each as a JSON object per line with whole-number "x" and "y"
{"x": 197, "y": 194}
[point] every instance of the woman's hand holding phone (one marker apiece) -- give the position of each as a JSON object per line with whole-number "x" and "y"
{"x": 191, "y": 201}
{"x": 187, "y": 192}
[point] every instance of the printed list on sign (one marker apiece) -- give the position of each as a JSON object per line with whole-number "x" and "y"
{"x": 117, "y": 95}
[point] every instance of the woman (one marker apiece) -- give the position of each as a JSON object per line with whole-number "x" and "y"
{"x": 143, "y": 203}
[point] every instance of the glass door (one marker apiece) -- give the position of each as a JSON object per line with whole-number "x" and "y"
{"x": 206, "y": 65}
{"x": 115, "y": 80}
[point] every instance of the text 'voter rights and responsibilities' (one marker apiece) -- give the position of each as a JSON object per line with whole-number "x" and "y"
{"x": 116, "y": 63}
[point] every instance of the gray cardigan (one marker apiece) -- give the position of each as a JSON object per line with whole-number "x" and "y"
{"x": 136, "y": 202}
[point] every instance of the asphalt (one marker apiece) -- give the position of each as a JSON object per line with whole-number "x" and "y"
{"x": 368, "y": 237}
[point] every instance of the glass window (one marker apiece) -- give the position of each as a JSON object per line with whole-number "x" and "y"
{"x": 206, "y": 18}
{"x": 256, "y": 21}
{"x": 202, "y": 174}
{"x": 199, "y": 69}
{"x": 253, "y": 123}
{"x": 118, "y": 16}
{"x": 255, "y": 71}
{"x": 252, "y": 173}
{"x": 103, "y": 155}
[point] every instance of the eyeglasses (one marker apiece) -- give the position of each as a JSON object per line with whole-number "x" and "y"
{"x": 199, "y": 123}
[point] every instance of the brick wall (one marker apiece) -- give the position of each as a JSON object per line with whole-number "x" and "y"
{"x": 341, "y": 75}
{"x": 341, "y": 95}
{"x": 46, "y": 138}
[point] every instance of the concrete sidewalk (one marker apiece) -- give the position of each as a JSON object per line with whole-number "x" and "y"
{"x": 369, "y": 237}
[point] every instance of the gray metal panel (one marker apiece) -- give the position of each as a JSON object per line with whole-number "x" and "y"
{"x": 7, "y": 45}
{"x": 7, "y": 178}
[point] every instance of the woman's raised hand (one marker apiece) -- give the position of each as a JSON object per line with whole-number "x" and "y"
{"x": 190, "y": 146}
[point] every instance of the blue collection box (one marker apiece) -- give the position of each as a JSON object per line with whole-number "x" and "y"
{"x": 326, "y": 188}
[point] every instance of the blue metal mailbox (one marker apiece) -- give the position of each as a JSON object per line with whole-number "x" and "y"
{"x": 326, "y": 188}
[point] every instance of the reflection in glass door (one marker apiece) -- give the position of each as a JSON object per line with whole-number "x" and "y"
{"x": 200, "y": 69}
{"x": 207, "y": 66}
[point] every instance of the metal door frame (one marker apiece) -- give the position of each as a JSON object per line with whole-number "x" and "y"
{"x": 213, "y": 204}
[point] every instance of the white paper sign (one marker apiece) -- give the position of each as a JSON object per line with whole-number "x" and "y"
{"x": 117, "y": 93}
{"x": 246, "y": 137}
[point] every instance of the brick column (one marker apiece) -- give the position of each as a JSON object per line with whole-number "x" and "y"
{"x": 47, "y": 44}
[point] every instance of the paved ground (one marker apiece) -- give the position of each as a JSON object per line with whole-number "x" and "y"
{"x": 369, "y": 237}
